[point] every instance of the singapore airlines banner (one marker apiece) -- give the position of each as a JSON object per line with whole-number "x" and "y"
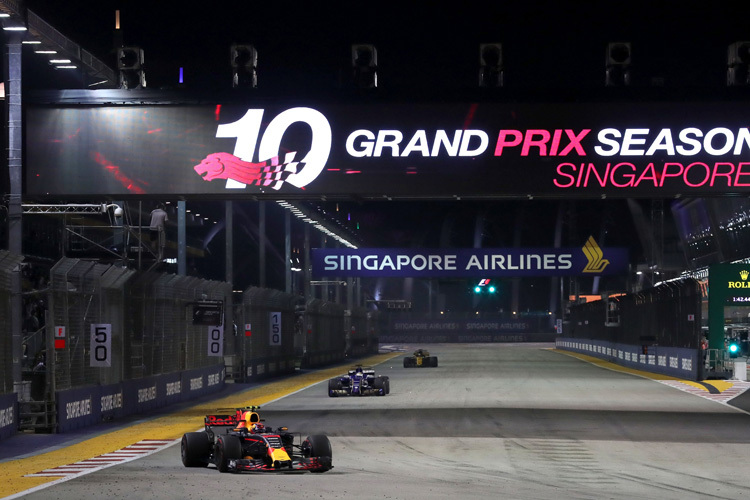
{"x": 590, "y": 260}
{"x": 389, "y": 149}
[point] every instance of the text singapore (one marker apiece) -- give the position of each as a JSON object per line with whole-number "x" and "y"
{"x": 448, "y": 262}
{"x": 608, "y": 142}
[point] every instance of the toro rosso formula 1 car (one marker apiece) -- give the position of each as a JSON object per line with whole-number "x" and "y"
{"x": 241, "y": 442}
{"x": 359, "y": 382}
{"x": 421, "y": 357}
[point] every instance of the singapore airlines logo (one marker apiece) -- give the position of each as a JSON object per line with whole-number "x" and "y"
{"x": 596, "y": 261}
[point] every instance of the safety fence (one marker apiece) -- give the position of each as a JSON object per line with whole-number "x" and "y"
{"x": 269, "y": 319}
{"x": 132, "y": 324}
{"x": 361, "y": 332}
{"x": 320, "y": 334}
{"x": 667, "y": 315}
{"x": 9, "y": 272}
{"x": 658, "y": 330}
{"x": 121, "y": 341}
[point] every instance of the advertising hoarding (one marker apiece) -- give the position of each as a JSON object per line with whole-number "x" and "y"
{"x": 590, "y": 259}
{"x": 390, "y": 149}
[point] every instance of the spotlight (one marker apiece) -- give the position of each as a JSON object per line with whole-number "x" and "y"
{"x": 490, "y": 65}
{"x": 365, "y": 66}
{"x": 130, "y": 62}
{"x": 244, "y": 60}
{"x": 738, "y": 61}
{"x": 617, "y": 64}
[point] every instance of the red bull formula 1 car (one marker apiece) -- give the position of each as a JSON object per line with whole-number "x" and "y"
{"x": 240, "y": 441}
{"x": 421, "y": 357}
{"x": 359, "y": 381}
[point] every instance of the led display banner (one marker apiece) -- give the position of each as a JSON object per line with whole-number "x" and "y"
{"x": 390, "y": 149}
{"x": 589, "y": 260}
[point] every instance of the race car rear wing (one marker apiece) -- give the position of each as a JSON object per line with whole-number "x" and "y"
{"x": 231, "y": 420}
{"x": 221, "y": 420}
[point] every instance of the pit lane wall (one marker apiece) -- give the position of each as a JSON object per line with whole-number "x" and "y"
{"x": 91, "y": 405}
{"x": 674, "y": 361}
{"x": 656, "y": 330}
{"x": 8, "y": 415}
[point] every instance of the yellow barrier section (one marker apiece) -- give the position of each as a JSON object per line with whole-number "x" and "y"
{"x": 171, "y": 426}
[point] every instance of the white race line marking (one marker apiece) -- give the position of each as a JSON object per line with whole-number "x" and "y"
{"x": 127, "y": 454}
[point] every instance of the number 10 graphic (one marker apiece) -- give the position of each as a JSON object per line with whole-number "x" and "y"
{"x": 247, "y": 131}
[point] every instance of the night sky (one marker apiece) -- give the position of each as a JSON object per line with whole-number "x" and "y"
{"x": 550, "y": 48}
{"x": 303, "y": 45}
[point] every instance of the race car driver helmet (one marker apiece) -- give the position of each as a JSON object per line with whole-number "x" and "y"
{"x": 248, "y": 420}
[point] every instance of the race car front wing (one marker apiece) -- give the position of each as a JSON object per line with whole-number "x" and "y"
{"x": 313, "y": 464}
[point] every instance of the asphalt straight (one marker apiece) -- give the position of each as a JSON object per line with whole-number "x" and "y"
{"x": 25, "y": 454}
{"x": 502, "y": 421}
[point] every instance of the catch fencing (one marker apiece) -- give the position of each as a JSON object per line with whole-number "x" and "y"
{"x": 269, "y": 320}
{"x": 657, "y": 330}
{"x": 9, "y": 280}
{"x": 133, "y": 324}
{"x": 667, "y": 315}
{"x": 121, "y": 342}
{"x": 320, "y": 333}
{"x": 9, "y": 272}
{"x": 361, "y": 332}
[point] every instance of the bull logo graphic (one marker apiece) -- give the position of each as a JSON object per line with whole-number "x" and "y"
{"x": 229, "y": 167}
{"x": 594, "y": 256}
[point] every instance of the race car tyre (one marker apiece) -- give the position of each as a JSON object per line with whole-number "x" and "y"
{"x": 433, "y": 361}
{"x": 334, "y": 385}
{"x": 195, "y": 449}
{"x": 379, "y": 385}
{"x": 228, "y": 448}
{"x": 387, "y": 386}
{"x": 407, "y": 362}
{"x": 317, "y": 445}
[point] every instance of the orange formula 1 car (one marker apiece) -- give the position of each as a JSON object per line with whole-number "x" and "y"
{"x": 241, "y": 442}
{"x": 420, "y": 358}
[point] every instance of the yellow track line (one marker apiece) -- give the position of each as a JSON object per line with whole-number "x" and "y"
{"x": 171, "y": 426}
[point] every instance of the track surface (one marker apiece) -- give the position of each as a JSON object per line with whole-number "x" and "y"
{"x": 492, "y": 421}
